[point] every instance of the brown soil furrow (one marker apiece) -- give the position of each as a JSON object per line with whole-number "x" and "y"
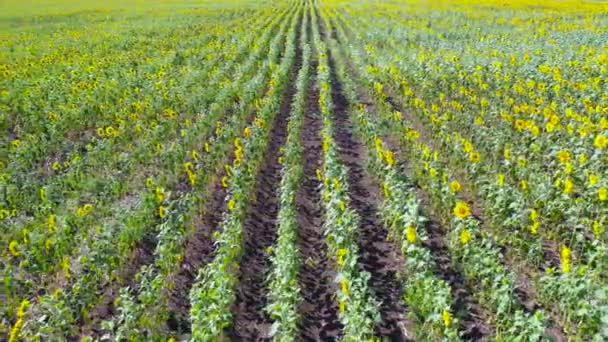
{"x": 198, "y": 252}
{"x": 251, "y": 323}
{"x": 143, "y": 254}
{"x": 473, "y": 319}
{"x": 378, "y": 256}
{"x": 524, "y": 288}
{"x": 200, "y": 246}
{"x": 319, "y": 310}
{"x": 199, "y": 249}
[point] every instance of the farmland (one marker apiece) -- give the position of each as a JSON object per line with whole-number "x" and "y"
{"x": 407, "y": 170}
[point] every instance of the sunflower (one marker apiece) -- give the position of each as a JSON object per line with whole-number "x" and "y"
{"x": 410, "y": 234}
{"x": 600, "y": 141}
{"x": 593, "y": 179}
{"x": 388, "y": 156}
{"x": 111, "y": 131}
{"x": 501, "y": 179}
{"x": 597, "y": 228}
{"x": 568, "y": 168}
{"x": 341, "y": 253}
{"x": 162, "y": 211}
{"x": 412, "y": 134}
{"x": 602, "y": 194}
{"x": 521, "y": 161}
{"x": 474, "y": 157}
{"x": 535, "y": 130}
{"x": 566, "y": 259}
{"x": 12, "y": 247}
{"x": 533, "y": 215}
{"x": 563, "y": 156}
{"x": 582, "y": 158}
{"x": 42, "y": 193}
{"x": 195, "y": 155}
{"x": 534, "y": 227}
{"x": 465, "y": 236}
{"x": 191, "y": 178}
{"x": 568, "y": 186}
{"x": 455, "y": 186}
{"x": 447, "y": 318}
{"x": 344, "y": 285}
{"x": 52, "y": 223}
{"x": 461, "y": 210}
{"x": 159, "y": 194}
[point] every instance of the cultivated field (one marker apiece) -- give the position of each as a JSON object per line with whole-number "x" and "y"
{"x": 293, "y": 170}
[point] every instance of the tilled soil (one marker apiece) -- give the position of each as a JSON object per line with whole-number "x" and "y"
{"x": 319, "y": 308}
{"x": 251, "y": 323}
{"x": 470, "y": 313}
{"x": 143, "y": 254}
{"x": 378, "y": 256}
{"x": 473, "y": 319}
{"x": 259, "y": 233}
{"x": 198, "y": 252}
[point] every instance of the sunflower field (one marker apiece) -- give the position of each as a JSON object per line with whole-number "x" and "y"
{"x": 303, "y": 170}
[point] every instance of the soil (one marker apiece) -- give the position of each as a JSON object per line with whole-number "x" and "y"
{"x": 143, "y": 254}
{"x": 524, "y": 288}
{"x": 251, "y": 323}
{"x": 473, "y": 318}
{"x": 319, "y": 309}
{"x": 198, "y": 252}
{"x": 199, "y": 249}
{"x": 378, "y": 256}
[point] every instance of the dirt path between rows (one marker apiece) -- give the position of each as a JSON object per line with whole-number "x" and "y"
{"x": 251, "y": 323}
{"x": 524, "y": 289}
{"x": 319, "y": 310}
{"x": 378, "y": 256}
{"x": 199, "y": 248}
{"x": 474, "y": 319}
{"x": 198, "y": 252}
{"x": 143, "y": 254}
